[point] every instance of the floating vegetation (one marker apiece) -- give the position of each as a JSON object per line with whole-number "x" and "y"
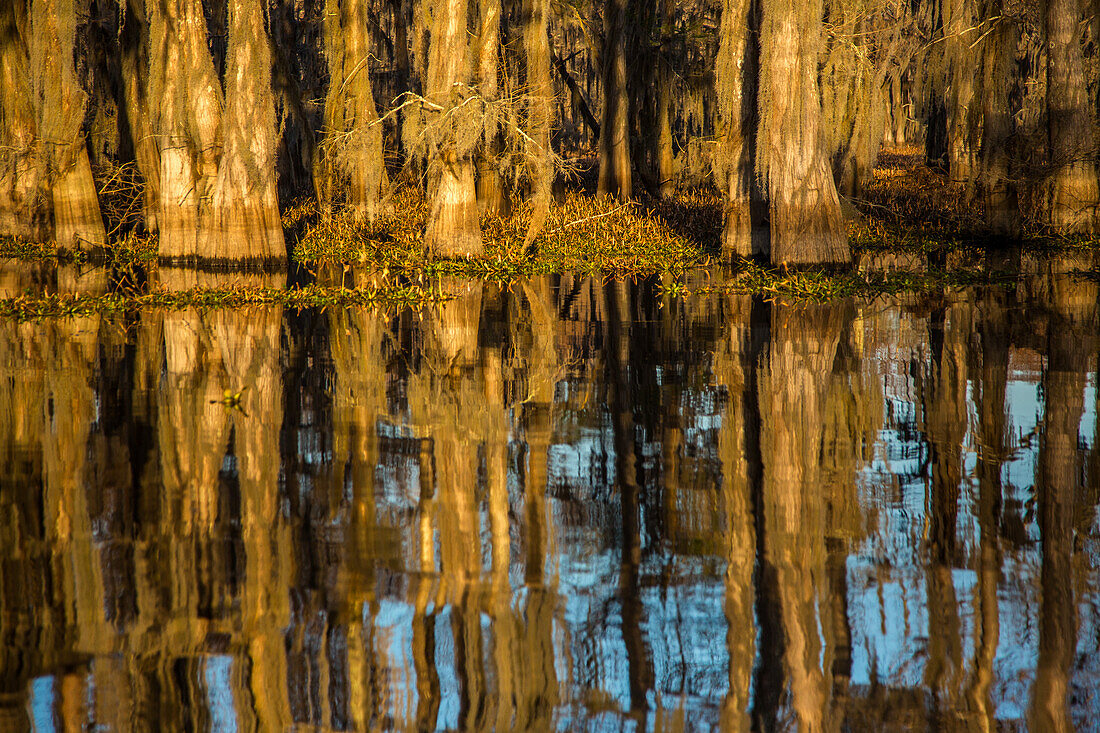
{"x": 820, "y": 285}
{"x": 29, "y": 306}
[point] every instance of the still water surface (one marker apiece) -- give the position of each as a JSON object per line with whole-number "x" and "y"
{"x": 567, "y": 505}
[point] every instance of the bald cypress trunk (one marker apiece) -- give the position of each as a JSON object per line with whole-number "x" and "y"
{"x": 540, "y": 113}
{"x": 999, "y": 196}
{"x": 806, "y": 222}
{"x": 244, "y": 207}
{"x": 736, "y": 80}
{"x": 1073, "y": 187}
{"x": 962, "y": 30}
{"x": 353, "y": 152}
{"x": 185, "y": 104}
{"x": 217, "y": 149}
{"x": 491, "y": 198}
{"x": 134, "y": 64}
{"x": 452, "y": 223}
{"x": 46, "y": 186}
{"x": 21, "y": 212}
{"x": 614, "y": 149}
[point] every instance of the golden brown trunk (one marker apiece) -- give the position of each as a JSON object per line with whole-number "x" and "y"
{"x": 244, "y": 208}
{"x": 46, "y": 186}
{"x": 736, "y": 102}
{"x": 1074, "y": 192}
{"x": 539, "y": 113}
{"x": 614, "y": 148}
{"x": 491, "y": 195}
{"x": 353, "y": 153}
{"x": 806, "y": 223}
{"x": 453, "y": 228}
{"x": 217, "y": 161}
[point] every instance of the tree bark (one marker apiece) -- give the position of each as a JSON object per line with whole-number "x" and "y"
{"x": 453, "y": 227}
{"x": 664, "y": 152}
{"x": 806, "y": 222}
{"x": 46, "y": 186}
{"x": 736, "y": 80}
{"x": 134, "y": 64}
{"x": 540, "y": 114}
{"x": 353, "y": 148}
{"x": 217, "y": 152}
{"x": 614, "y": 149}
{"x": 491, "y": 195}
{"x": 998, "y": 191}
{"x": 244, "y": 206}
{"x": 1074, "y": 192}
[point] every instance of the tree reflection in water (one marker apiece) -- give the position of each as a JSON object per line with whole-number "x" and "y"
{"x": 566, "y": 504}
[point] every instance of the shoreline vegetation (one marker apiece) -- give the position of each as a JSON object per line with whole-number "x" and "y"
{"x": 908, "y": 234}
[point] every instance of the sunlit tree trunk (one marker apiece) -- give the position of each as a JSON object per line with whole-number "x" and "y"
{"x": 1074, "y": 192}
{"x": 353, "y": 154}
{"x": 185, "y": 105}
{"x": 614, "y": 149}
{"x": 452, "y": 222}
{"x": 21, "y": 213}
{"x": 46, "y": 186}
{"x": 217, "y": 163}
{"x": 491, "y": 196}
{"x": 962, "y": 30}
{"x": 806, "y": 222}
{"x": 134, "y": 65}
{"x": 244, "y": 206}
{"x": 665, "y": 155}
{"x": 540, "y": 113}
{"x": 60, "y": 104}
{"x": 736, "y": 80}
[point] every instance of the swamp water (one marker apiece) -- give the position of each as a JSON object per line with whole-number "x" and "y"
{"x": 567, "y": 505}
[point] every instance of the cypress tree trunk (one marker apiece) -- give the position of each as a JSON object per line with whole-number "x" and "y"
{"x": 353, "y": 152}
{"x": 185, "y": 106}
{"x": 736, "y": 78}
{"x": 491, "y": 196}
{"x": 217, "y": 154}
{"x": 452, "y": 223}
{"x": 1073, "y": 186}
{"x": 244, "y": 207}
{"x": 665, "y": 155}
{"x": 806, "y": 222}
{"x": 46, "y": 186}
{"x": 134, "y": 63}
{"x": 998, "y": 191}
{"x": 540, "y": 113}
{"x": 614, "y": 148}
{"x": 60, "y": 104}
{"x": 21, "y": 212}
{"x": 963, "y": 121}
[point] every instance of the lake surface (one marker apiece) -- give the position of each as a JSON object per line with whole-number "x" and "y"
{"x": 565, "y": 505}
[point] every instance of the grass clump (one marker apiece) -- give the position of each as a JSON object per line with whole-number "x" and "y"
{"x": 582, "y": 234}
